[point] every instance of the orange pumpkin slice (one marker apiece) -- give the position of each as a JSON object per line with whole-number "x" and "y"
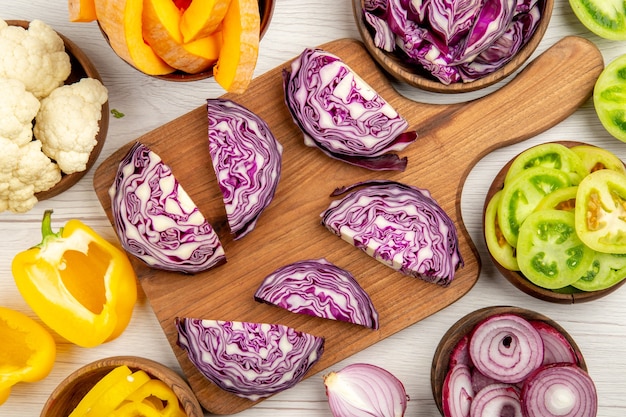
{"x": 202, "y": 18}
{"x": 240, "y": 47}
{"x": 161, "y": 30}
{"x": 81, "y": 10}
{"x": 121, "y": 20}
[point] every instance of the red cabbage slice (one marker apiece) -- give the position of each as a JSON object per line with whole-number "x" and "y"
{"x": 156, "y": 220}
{"x": 339, "y": 113}
{"x": 318, "y": 288}
{"x": 250, "y": 360}
{"x": 399, "y": 225}
{"x": 247, "y": 160}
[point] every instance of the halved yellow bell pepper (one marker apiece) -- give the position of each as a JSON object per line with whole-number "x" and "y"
{"x": 28, "y": 350}
{"x": 80, "y": 285}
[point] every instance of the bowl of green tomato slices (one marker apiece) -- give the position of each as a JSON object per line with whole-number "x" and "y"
{"x": 555, "y": 222}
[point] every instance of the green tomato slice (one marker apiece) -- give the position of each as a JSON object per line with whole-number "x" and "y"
{"x": 605, "y": 18}
{"x": 609, "y": 98}
{"x": 607, "y": 269}
{"x": 561, "y": 199}
{"x": 549, "y": 155}
{"x": 549, "y": 252}
{"x": 601, "y": 211}
{"x": 498, "y": 247}
{"x": 595, "y": 158}
{"x": 522, "y": 194}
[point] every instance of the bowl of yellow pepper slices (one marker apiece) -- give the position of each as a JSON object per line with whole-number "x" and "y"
{"x": 123, "y": 386}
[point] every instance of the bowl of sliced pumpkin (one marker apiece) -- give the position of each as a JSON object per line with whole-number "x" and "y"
{"x": 553, "y": 222}
{"x": 184, "y": 40}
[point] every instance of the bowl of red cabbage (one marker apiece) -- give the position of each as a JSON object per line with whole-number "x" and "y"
{"x": 451, "y": 47}
{"x": 548, "y": 222}
{"x": 505, "y": 360}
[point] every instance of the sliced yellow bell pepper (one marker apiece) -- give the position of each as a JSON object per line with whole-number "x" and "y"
{"x": 113, "y": 398}
{"x": 155, "y": 388}
{"x": 27, "y": 350}
{"x": 108, "y": 381}
{"x": 80, "y": 285}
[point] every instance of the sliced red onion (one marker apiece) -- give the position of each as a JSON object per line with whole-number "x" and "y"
{"x": 362, "y": 389}
{"x": 480, "y": 380}
{"x": 399, "y": 225}
{"x": 250, "y": 360}
{"x": 156, "y": 220}
{"x": 559, "y": 390}
{"x": 339, "y": 113}
{"x": 321, "y": 289}
{"x": 247, "y": 160}
{"x": 497, "y": 400}
{"x": 460, "y": 353}
{"x": 556, "y": 348}
{"x": 457, "y": 392}
{"x": 506, "y": 347}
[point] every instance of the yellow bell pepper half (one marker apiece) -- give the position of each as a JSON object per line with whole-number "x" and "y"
{"x": 80, "y": 285}
{"x": 28, "y": 350}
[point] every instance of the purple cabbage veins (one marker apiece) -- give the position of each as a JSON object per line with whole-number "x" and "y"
{"x": 453, "y": 41}
{"x": 318, "y": 288}
{"x": 399, "y": 225}
{"x": 339, "y": 113}
{"x": 156, "y": 220}
{"x": 250, "y": 360}
{"x": 247, "y": 161}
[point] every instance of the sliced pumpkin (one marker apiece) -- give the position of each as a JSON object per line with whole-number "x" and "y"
{"x": 240, "y": 47}
{"x": 81, "y": 10}
{"x": 121, "y": 20}
{"x": 208, "y": 47}
{"x": 202, "y": 18}
{"x": 161, "y": 30}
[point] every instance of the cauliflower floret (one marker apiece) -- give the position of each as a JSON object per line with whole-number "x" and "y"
{"x": 18, "y": 108}
{"x": 67, "y": 123}
{"x": 24, "y": 171}
{"x": 35, "y": 56}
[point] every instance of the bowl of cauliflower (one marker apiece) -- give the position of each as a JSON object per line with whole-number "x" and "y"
{"x": 54, "y": 114}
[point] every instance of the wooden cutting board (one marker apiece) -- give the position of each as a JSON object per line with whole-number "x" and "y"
{"x": 452, "y": 138}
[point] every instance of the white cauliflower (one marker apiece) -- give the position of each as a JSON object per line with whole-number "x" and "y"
{"x": 67, "y": 123}
{"x": 18, "y": 108}
{"x": 36, "y": 56}
{"x": 24, "y": 171}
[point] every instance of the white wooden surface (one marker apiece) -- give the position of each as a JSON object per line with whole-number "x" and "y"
{"x": 599, "y": 327}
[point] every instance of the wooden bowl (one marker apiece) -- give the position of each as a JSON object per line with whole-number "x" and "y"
{"x": 568, "y": 296}
{"x": 81, "y": 68}
{"x": 455, "y": 333}
{"x": 415, "y": 76}
{"x": 73, "y": 388}
{"x": 266, "y": 10}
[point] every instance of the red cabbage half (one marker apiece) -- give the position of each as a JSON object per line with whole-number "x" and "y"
{"x": 250, "y": 360}
{"x": 156, "y": 220}
{"x": 318, "y": 288}
{"x": 247, "y": 160}
{"x": 399, "y": 225}
{"x": 339, "y": 113}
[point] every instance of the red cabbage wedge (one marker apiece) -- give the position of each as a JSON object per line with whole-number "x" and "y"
{"x": 250, "y": 360}
{"x": 156, "y": 220}
{"x": 321, "y": 289}
{"x": 339, "y": 113}
{"x": 399, "y": 225}
{"x": 247, "y": 160}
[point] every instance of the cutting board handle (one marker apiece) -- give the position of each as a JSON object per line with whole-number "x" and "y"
{"x": 545, "y": 92}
